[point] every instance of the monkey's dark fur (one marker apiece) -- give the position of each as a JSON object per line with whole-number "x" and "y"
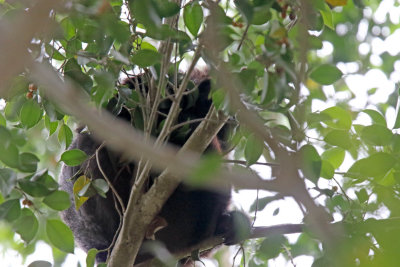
{"x": 192, "y": 215}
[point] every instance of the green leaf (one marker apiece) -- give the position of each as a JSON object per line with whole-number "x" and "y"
{"x": 208, "y": 166}
{"x": 193, "y": 17}
{"x": 339, "y": 138}
{"x": 397, "y": 122}
{"x": 40, "y": 264}
{"x": 34, "y": 188}
{"x": 339, "y": 118}
{"x": 327, "y": 170}
{"x": 30, "y": 113}
{"x": 276, "y": 212}
{"x": 101, "y": 187}
{"x": 79, "y": 184}
{"x": 50, "y": 125}
{"x": 334, "y": 156}
{"x": 310, "y": 162}
{"x": 12, "y": 109}
{"x": 326, "y": 74}
{"x": 261, "y": 203}
{"x": 271, "y": 247}
{"x": 73, "y": 157}
{"x": 376, "y": 135}
{"x": 58, "y": 200}
{"x": 65, "y": 136}
{"x": 253, "y": 149}
{"x": 68, "y": 27}
{"x": 246, "y": 9}
{"x": 60, "y": 235}
{"x": 146, "y": 13}
{"x": 146, "y": 58}
{"x": 328, "y": 18}
{"x": 27, "y": 225}
{"x": 377, "y": 118}
{"x": 218, "y": 98}
{"x": 74, "y": 71}
{"x": 248, "y": 79}
{"x": 28, "y": 162}
{"x": 362, "y": 195}
{"x": 166, "y": 8}
{"x": 10, "y": 210}
{"x": 375, "y": 165}
{"x": 8, "y": 179}
{"x": 2, "y": 120}
{"x": 261, "y": 15}
{"x": 91, "y": 257}
{"x": 9, "y": 155}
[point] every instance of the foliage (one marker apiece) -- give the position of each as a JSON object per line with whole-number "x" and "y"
{"x": 345, "y": 150}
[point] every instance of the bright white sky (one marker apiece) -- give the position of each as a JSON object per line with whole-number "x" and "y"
{"x": 358, "y": 84}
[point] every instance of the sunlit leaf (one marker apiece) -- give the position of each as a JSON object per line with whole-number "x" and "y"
{"x": 334, "y": 156}
{"x": 376, "y": 135}
{"x": 373, "y": 166}
{"x": 339, "y": 138}
{"x": 339, "y": 118}
{"x": 377, "y": 118}
{"x": 193, "y": 17}
{"x": 91, "y": 257}
{"x": 79, "y": 184}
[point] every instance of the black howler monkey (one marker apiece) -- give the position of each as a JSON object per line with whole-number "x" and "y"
{"x": 192, "y": 215}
